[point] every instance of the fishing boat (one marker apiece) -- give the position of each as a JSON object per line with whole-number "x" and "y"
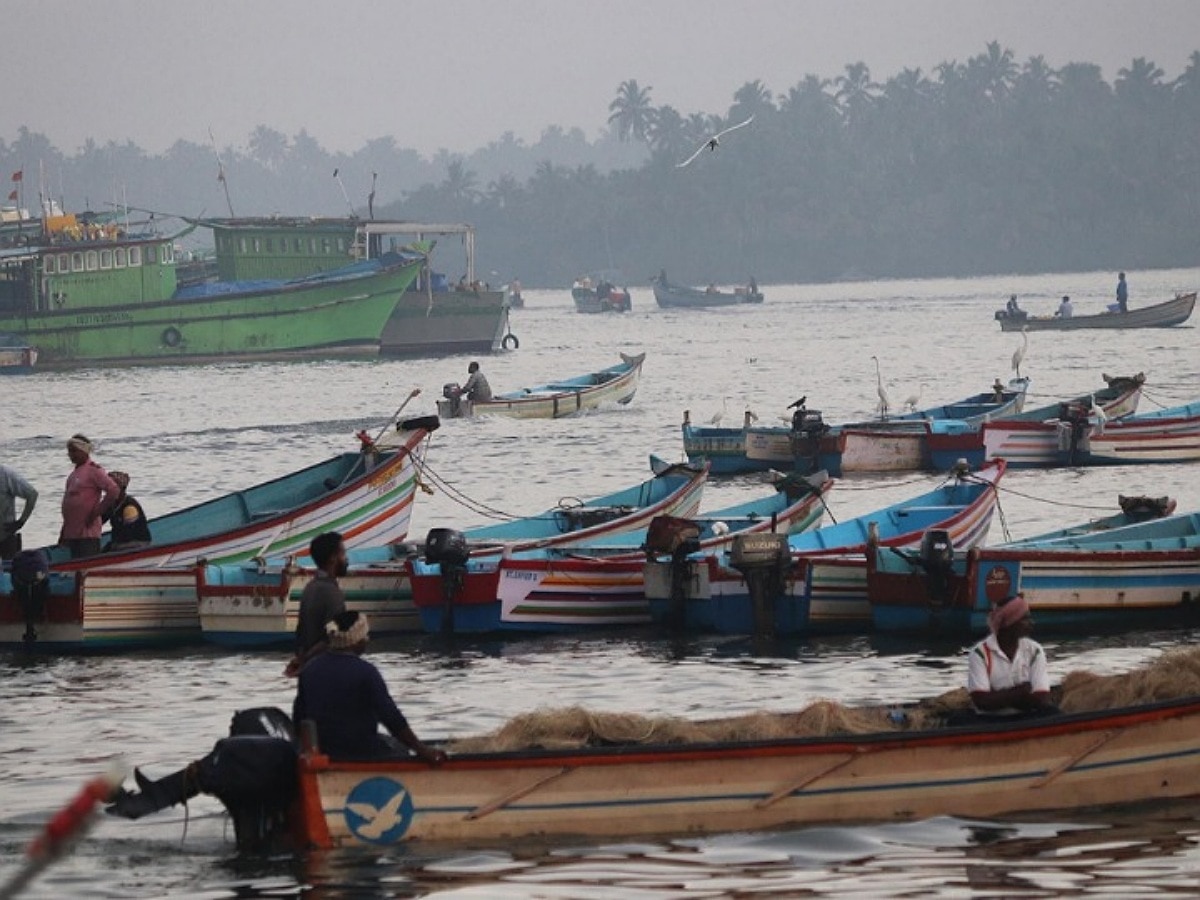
{"x": 817, "y": 580}
{"x": 669, "y": 295}
{"x": 1081, "y": 437}
{"x": 1160, "y": 315}
{"x": 951, "y": 440}
{"x": 147, "y": 595}
{"x": 431, "y": 317}
{"x": 16, "y": 356}
{"x": 893, "y": 443}
{"x": 86, "y": 290}
{"x": 282, "y": 794}
{"x": 599, "y": 583}
{"x": 1145, "y": 572}
{"x": 603, "y": 297}
{"x": 616, "y": 384}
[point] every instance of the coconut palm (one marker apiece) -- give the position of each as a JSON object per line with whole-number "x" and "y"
{"x": 631, "y": 111}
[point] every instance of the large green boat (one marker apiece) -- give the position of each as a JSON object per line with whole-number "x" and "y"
{"x": 434, "y": 317}
{"x": 84, "y": 290}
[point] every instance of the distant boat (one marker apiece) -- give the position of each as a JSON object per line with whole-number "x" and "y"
{"x": 669, "y": 295}
{"x": 1161, "y": 315}
{"x": 616, "y": 384}
{"x": 431, "y": 318}
{"x": 604, "y": 297}
{"x": 16, "y": 356}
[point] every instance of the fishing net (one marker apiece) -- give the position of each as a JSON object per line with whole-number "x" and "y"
{"x": 1173, "y": 675}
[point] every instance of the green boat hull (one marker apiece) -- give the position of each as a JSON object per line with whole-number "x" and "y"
{"x": 317, "y": 318}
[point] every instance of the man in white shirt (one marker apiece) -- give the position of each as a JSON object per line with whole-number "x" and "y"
{"x": 12, "y": 488}
{"x": 1065, "y": 310}
{"x": 1006, "y": 671}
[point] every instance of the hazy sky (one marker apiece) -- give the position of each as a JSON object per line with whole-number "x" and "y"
{"x": 458, "y": 73}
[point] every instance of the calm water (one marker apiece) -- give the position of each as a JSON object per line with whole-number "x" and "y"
{"x": 184, "y": 434}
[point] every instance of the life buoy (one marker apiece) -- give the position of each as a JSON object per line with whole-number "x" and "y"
{"x": 510, "y": 342}
{"x": 171, "y": 336}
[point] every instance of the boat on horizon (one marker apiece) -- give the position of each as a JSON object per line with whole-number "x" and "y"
{"x": 670, "y": 295}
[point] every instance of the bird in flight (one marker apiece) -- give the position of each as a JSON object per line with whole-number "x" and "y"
{"x": 713, "y": 142}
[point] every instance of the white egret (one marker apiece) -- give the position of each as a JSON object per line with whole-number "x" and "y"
{"x": 910, "y": 402}
{"x": 884, "y": 401}
{"x": 1099, "y": 415}
{"x": 713, "y": 142}
{"x": 1019, "y": 353}
{"x": 716, "y": 419}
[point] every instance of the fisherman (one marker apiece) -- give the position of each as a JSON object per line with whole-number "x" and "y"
{"x": 90, "y": 493}
{"x": 1013, "y": 309}
{"x": 1006, "y": 671}
{"x": 997, "y": 391}
{"x": 1122, "y": 293}
{"x": 322, "y": 599}
{"x": 477, "y": 389}
{"x": 130, "y": 529}
{"x": 347, "y": 699}
{"x": 12, "y": 487}
{"x": 1065, "y": 310}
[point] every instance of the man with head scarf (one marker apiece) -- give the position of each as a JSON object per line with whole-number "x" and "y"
{"x": 90, "y": 493}
{"x": 12, "y": 488}
{"x": 1006, "y": 671}
{"x": 130, "y": 529}
{"x": 347, "y": 699}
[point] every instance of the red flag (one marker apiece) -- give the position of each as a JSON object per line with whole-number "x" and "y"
{"x": 18, "y": 175}
{"x": 12, "y": 195}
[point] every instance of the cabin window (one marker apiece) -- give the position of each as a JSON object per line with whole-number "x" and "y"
{"x": 135, "y": 256}
{"x": 93, "y": 260}
{"x": 341, "y": 245}
{"x": 257, "y": 245}
{"x": 168, "y": 253}
{"x": 242, "y": 244}
{"x": 151, "y": 254}
{"x": 64, "y": 263}
{"x": 312, "y": 245}
{"x": 283, "y": 245}
{"x": 270, "y": 245}
{"x": 298, "y": 245}
{"x": 106, "y": 259}
{"x": 119, "y": 257}
{"x": 77, "y": 262}
{"x": 325, "y": 245}
{"x": 48, "y": 265}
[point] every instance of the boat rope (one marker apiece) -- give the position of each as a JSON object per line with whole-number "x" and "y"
{"x": 1017, "y": 493}
{"x": 455, "y": 495}
{"x": 1153, "y": 398}
{"x": 995, "y": 488}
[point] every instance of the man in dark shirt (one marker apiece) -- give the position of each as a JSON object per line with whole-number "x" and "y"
{"x": 346, "y": 698}
{"x": 322, "y": 598}
{"x": 127, "y": 518}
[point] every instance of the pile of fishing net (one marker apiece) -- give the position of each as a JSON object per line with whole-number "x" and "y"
{"x": 1173, "y": 675}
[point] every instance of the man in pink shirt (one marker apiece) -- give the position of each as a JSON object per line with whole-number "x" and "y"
{"x": 89, "y": 495}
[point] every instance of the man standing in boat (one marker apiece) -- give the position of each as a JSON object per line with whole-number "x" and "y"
{"x": 89, "y": 495}
{"x": 1122, "y": 293}
{"x": 12, "y": 488}
{"x": 322, "y": 600}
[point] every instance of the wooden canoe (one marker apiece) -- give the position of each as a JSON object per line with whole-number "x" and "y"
{"x": 616, "y": 384}
{"x": 1064, "y": 763}
{"x": 1160, "y": 315}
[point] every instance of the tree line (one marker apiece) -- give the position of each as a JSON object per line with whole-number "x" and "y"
{"x": 985, "y": 166}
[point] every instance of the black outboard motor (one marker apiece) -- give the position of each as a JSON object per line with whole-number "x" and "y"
{"x": 937, "y": 559}
{"x": 808, "y": 427}
{"x": 448, "y": 549}
{"x": 31, "y": 585}
{"x": 763, "y": 559}
{"x": 679, "y": 538}
{"x": 252, "y": 772}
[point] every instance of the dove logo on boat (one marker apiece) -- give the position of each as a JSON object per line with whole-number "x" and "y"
{"x": 379, "y": 810}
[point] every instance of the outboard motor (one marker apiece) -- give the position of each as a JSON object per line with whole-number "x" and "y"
{"x": 448, "y": 549}
{"x": 937, "y": 559}
{"x": 252, "y": 772}
{"x": 680, "y": 538}
{"x": 808, "y": 427}
{"x": 763, "y": 559}
{"x": 31, "y": 585}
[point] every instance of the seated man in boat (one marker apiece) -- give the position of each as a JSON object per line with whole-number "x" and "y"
{"x": 130, "y": 529}
{"x": 1013, "y": 309}
{"x": 477, "y": 389}
{"x": 1006, "y": 671}
{"x": 347, "y": 699}
{"x": 1065, "y": 310}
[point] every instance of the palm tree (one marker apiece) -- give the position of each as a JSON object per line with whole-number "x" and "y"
{"x": 855, "y": 88}
{"x": 1141, "y": 83}
{"x": 666, "y": 133}
{"x": 631, "y": 111}
{"x": 751, "y": 99}
{"x": 461, "y": 183}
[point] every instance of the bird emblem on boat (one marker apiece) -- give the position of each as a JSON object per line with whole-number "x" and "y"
{"x": 379, "y": 810}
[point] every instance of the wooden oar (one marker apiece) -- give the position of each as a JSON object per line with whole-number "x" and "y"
{"x": 1071, "y": 762}
{"x": 490, "y": 807}
{"x": 793, "y": 786}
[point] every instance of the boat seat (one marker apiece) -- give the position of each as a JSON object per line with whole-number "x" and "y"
{"x": 580, "y": 517}
{"x": 946, "y": 511}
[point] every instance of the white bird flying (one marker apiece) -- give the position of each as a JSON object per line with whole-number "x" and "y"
{"x": 884, "y": 401}
{"x": 713, "y": 142}
{"x": 1019, "y": 353}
